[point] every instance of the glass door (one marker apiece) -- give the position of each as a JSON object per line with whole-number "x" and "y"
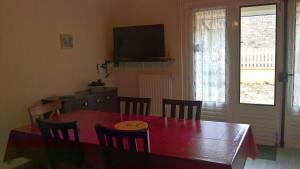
{"x": 292, "y": 114}
{"x": 237, "y": 54}
{"x": 260, "y": 52}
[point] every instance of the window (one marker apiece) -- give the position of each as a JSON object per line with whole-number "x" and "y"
{"x": 209, "y": 59}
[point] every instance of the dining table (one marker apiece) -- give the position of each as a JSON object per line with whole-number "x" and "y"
{"x": 174, "y": 143}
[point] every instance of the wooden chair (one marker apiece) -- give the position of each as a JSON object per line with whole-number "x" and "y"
{"x": 182, "y": 104}
{"x": 62, "y": 147}
{"x": 44, "y": 110}
{"x": 120, "y": 148}
{"x": 144, "y": 105}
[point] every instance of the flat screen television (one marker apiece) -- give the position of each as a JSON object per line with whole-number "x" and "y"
{"x": 139, "y": 42}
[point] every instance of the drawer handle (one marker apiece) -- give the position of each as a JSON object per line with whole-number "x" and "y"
{"x": 98, "y": 100}
{"x": 107, "y": 97}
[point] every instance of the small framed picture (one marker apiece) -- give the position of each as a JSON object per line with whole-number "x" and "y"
{"x": 66, "y": 41}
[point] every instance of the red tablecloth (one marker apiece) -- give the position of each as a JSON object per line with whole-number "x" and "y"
{"x": 173, "y": 143}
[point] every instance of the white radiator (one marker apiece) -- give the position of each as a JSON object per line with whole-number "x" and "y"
{"x": 155, "y": 87}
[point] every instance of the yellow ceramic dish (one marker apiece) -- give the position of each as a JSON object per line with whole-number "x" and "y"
{"x": 131, "y": 125}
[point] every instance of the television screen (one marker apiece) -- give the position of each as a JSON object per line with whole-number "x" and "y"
{"x": 139, "y": 42}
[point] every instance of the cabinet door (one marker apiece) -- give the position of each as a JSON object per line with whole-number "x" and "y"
{"x": 111, "y": 104}
{"x": 91, "y": 102}
{"x": 100, "y": 100}
{"x": 107, "y": 101}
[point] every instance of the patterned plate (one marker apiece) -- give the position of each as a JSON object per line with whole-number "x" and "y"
{"x": 131, "y": 125}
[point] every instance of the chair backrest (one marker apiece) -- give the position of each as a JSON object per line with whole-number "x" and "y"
{"x": 182, "y": 104}
{"x": 120, "y": 148}
{"x": 116, "y": 139}
{"x": 41, "y": 110}
{"x": 140, "y": 106}
{"x": 61, "y": 145}
{"x": 58, "y": 130}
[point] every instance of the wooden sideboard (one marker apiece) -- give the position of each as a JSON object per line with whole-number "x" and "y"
{"x": 98, "y": 98}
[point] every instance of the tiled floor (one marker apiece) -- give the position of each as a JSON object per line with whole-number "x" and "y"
{"x": 286, "y": 159}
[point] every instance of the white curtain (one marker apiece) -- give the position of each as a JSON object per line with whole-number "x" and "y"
{"x": 209, "y": 59}
{"x": 296, "y": 93}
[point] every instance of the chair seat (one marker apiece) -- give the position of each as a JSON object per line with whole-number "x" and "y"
{"x": 5, "y": 166}
{"x": 20, "y": 163}
{"x": 28, "y": 165}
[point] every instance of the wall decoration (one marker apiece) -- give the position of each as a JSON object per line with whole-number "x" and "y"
{"x": 66, "y": 41}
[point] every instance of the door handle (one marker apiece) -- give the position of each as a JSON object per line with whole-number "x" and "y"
{"x": 284, "y": 76}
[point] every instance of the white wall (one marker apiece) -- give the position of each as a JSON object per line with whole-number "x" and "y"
{"x": 137, "y": 12}
{"x": 32, "y": 64}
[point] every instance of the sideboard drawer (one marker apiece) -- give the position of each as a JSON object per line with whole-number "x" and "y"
{"x": 100, "y": 101}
